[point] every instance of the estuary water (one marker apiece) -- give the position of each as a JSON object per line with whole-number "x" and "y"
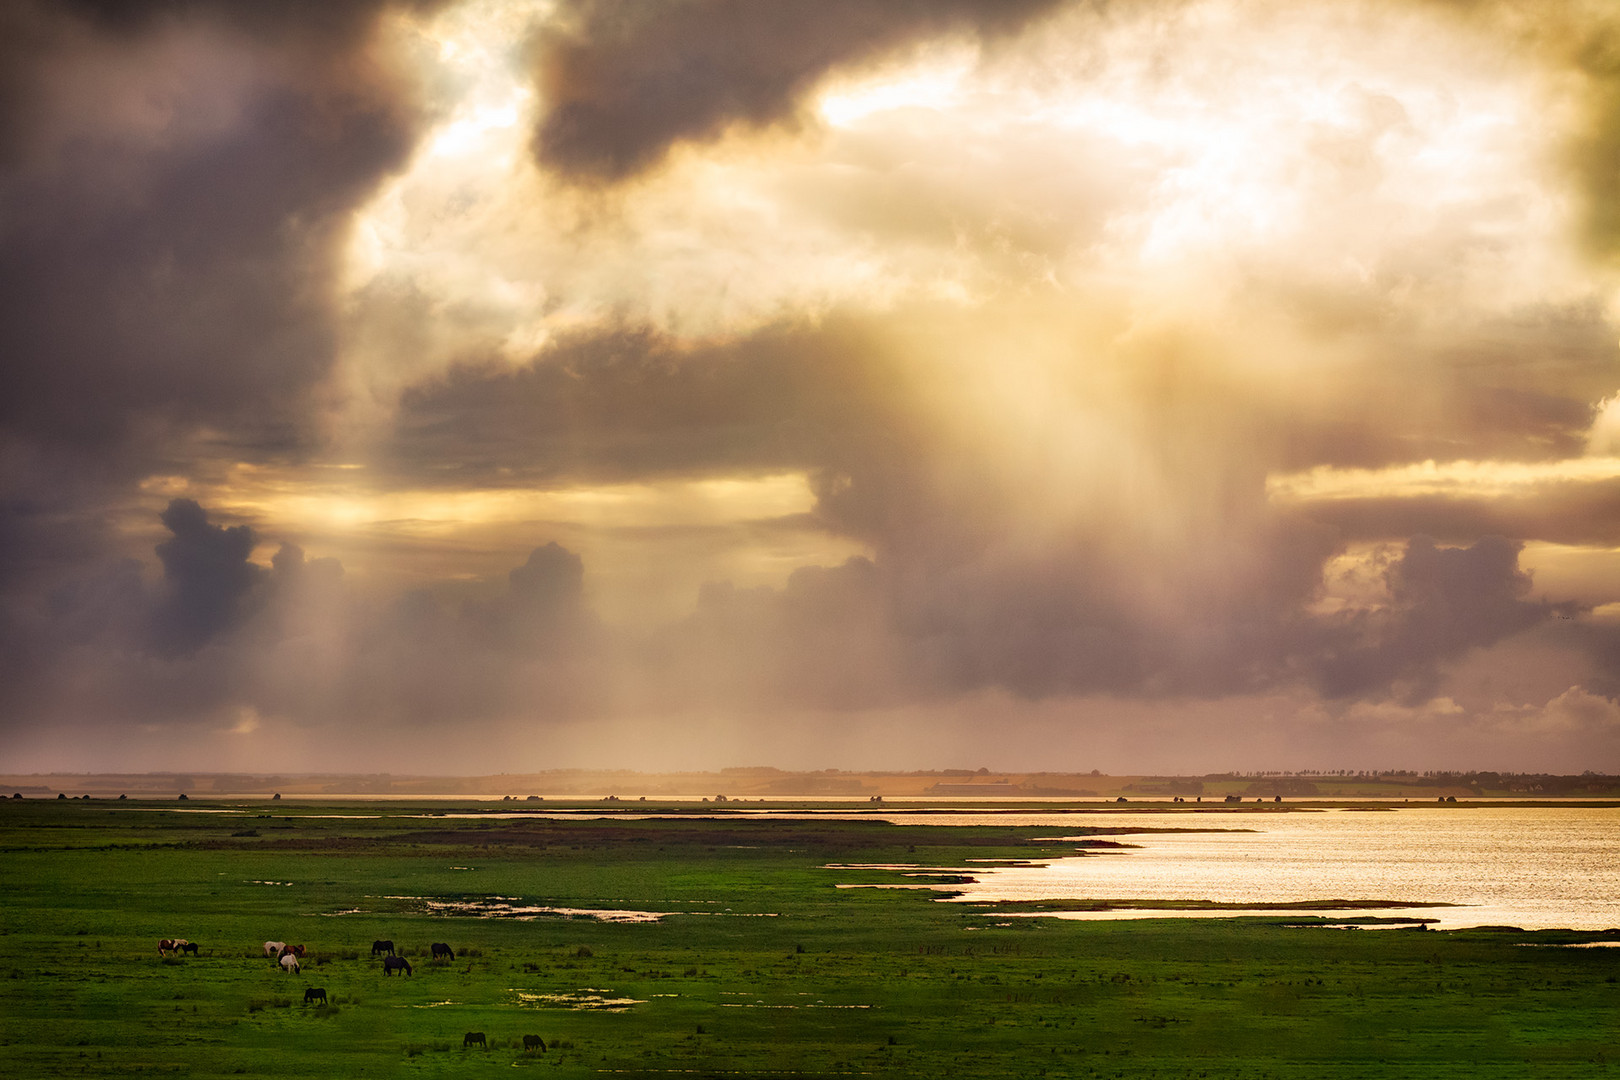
{"x": 1531, "y": 867}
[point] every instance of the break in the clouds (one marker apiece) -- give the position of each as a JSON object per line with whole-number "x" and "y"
{"x": 1178, "y": 384}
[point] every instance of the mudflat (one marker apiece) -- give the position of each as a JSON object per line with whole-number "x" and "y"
{"x": 712, "y": 944}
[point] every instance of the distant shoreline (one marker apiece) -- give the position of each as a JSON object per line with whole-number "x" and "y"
{"x": 774, "y": 785}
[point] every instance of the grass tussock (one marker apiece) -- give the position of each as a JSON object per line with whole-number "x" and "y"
{"x": 259, "y": 1004}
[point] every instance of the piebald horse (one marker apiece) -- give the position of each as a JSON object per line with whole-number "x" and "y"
{"x": 169, "y": 945}
{"x": 289, "y": 963}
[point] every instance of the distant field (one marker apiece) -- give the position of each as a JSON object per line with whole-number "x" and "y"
{"x": 757, "y": 965}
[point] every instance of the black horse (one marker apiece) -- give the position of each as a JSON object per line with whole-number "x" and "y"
{"x": 474, "y": 1037}
{"x": 441, "y": 949}
{"x": 315, "y": 993}
{"x": 189, "y": 947}
{"x": 533, "y": 1042}
{"x": 382, "y": 947}
{"x": 392, "y": 964}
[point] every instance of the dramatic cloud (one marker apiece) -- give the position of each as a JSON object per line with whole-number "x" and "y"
{"x": 178, "y": 180}
{"x": 623, "y": 81}
{"x": 1443, "y": 602}
{"x": 207, "y": 576}
{"x": 810, "y": 383}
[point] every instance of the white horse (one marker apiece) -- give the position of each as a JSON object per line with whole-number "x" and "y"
{"x": 274, "y": 948}
{"x": 289, "y": 963}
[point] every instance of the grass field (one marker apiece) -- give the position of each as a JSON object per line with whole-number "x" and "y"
{"x": 757, "y": 966}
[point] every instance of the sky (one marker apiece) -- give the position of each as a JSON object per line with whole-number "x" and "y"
{"x": 476, "y": 386}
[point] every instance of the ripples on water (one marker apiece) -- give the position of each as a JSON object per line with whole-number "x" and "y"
{"x": 1532, "y": 867}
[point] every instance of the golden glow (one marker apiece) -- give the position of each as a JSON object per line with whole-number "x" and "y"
{"x": 933, "y": 83}
{"x": 1459, "y": 479}
{"x": 1105, "y": 206}
{"x": 343, "y": 501}
{"x": 648, "y": 547}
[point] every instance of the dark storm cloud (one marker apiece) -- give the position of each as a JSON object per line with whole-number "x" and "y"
{"x": 544, "y": 605}
{"x": 625, "y": 80}
{"x": 216, "y": 633}
{"x": 207, "y": 577}
{"x": 1555, "y": 511}
{"x": 1364, "y": 430}
{"x": 174, "y": 180}
{"x": 552, "y": 577}
{"x": 629, "y": 404}
{"x": 208, "y": 586}
{"x": 1443, "y": 603}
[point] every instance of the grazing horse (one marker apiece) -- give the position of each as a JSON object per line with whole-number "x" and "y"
{"x": 473, "y": 1037}
{"x": 289, "y": 963}
{"x": 169, "y": 945}
{"x": 189, "y": 947}
{"x": 382, "y": 946}
{"x": 274, "y": 949}
{"x": 534, "y": 1042}
{"x": 392, "y": 964}
{"x": 441, "y": 949}
{"x": 295, "y": 950}
{"x": 315, "y": 993}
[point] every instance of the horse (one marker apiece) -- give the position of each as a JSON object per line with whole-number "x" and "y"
{"x": 315, "y": 993}
{"x": 392, "y": 964}
{"x": 473, "y": 1037}
{"x": 289, "y": 963}
{"x": 189, "y": 947}
{"x": 274, "y": 949}
{"x": 295, "y": 950}
{"x": 382, "y": 946}
{"x": 441, "y": 949}
{"x": 534, "y": 1042}
{"x": 169, "y": 945}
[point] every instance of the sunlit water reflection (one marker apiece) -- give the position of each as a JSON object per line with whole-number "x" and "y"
{"x": 1535, "y": 868}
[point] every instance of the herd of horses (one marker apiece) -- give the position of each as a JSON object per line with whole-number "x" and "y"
{"x": 476, "y": 1038}
{"x": 286, "y": 956}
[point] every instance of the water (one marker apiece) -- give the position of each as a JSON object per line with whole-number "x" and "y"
{"x": 1540, "y": 867}
{"x": 1536, "y": 868}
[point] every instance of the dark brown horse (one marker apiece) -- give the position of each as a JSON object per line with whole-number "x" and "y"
{"x": 382, "y": 947}
{"x": 534, "y": 1042}
{"x": 315, "y": 993}
{"x": 392, "y": 964}
{"x": 474, "y": 1037}
{"x": 440, "y": 949}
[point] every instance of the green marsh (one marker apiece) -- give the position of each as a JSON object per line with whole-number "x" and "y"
{"x": 756, "y": 965}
